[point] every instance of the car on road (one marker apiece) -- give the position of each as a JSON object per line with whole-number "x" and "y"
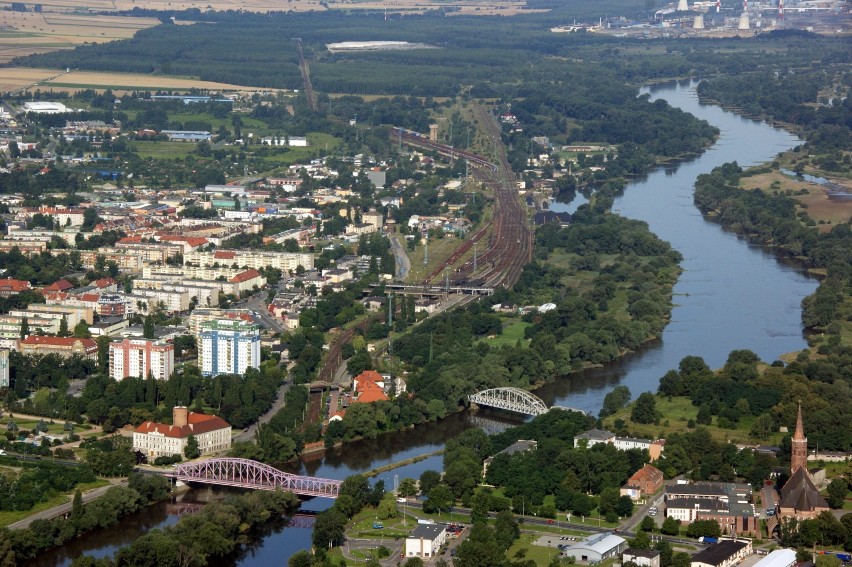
{"x": 652, "y": 511}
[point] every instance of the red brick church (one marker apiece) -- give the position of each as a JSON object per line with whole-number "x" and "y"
{"x": 800, "y": 498}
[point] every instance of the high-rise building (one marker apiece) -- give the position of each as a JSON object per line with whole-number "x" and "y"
{"x": 4, "y": 368}
{"x": 229, "y": 347}
{"x": 799, "y": 446}
{"x": 141, "y": 358}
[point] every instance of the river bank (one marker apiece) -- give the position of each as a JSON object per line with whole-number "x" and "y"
{"x": 718, "y": 309}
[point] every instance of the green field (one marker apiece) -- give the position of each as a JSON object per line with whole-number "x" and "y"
{"x": 677, "y": 411}
{"x": 164, "y": 150}
{"x": 513, "y": 331}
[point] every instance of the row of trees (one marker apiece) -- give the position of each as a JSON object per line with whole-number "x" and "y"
{"x": 20, "y": 545}
{"x": 206, "y": 537}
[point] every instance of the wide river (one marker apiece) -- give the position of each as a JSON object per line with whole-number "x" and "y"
{"x": 731, "y": 296}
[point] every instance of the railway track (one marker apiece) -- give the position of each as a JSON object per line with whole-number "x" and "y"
{"x": 510, "y": 244}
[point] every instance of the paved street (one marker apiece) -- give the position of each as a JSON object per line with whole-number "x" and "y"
{"x": 66, "y": 507}
{"x": 257, "y": 305}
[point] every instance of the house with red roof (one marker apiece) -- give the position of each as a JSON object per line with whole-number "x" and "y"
{"x": 60, "y": 285}
{"x": 247, "y": 280}
{"x": 63, "y": 346}
{"x": 10, "y": 286}
{"x": 153, "y": 439}
{"x": 369, "y": 387}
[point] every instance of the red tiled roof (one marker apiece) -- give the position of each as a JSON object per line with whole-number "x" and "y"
{"x": 645, "y": 472}
{"x": 249, "y": 274}
{"x": 89, "y": 297}
{"x": 130, "y": 239}
{"x": 10, "y": 284}
{"x": 368, "y": 377}
{"x": 224, "y": 255}
{"x": 60, "y": 285}
{"x": 193, "y": 241}
{"x": 104, "y": 282}
{"x": 370, "y": 393}
{"x": 198, "y": 423}
{"x": 88, "y": 344}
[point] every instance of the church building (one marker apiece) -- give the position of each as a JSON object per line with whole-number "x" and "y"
{"x": 800, "y": 498}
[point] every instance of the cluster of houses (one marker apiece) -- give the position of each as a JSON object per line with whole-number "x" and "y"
{"x": 729, "y": 504}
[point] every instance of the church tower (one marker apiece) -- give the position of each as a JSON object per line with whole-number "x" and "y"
{"x": 799, "y": 446}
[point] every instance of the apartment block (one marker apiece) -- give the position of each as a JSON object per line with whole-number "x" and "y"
{"x": 257, "y": 259}
{"x": 141, "y": 358}
{"x": 229, "y": 347}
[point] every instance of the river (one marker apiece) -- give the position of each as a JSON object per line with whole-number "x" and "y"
{"x": 732, "y": 295}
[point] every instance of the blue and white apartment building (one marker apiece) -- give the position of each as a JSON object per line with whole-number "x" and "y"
{"x": 229, "y": 347}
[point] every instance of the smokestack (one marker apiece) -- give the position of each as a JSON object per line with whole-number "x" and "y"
{"x": 699, "y": 22}
{"x": 682, "y": 6}
{"x": 718, "y": 5}
{"x": 180, "y": 416}
{"x": 780, "y": 9}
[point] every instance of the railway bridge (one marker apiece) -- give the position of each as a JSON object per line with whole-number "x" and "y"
{"x": 246, "y": 473}
{"x": 516, "y": 400}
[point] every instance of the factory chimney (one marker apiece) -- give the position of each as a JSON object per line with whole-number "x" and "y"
{"x": 718, "y": 5}
{"x": 780, "y": 9}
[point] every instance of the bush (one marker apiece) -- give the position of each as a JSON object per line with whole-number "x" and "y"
{"x": 167, "y": 460}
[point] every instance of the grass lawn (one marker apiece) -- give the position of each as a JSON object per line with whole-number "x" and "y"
{"x": 10, "y": 517}
{"x": 677, "y": 412}
{"x": 164, "y": 150}
{"x": 524, "y": 544}
{"x": 513, "y": 331}
{"x": 55, "y": 428}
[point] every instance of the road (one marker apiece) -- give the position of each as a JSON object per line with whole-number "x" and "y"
{"x": 403, "y": 262}
{"x": 257, "y": 306}
{"x": 65, "y": 508}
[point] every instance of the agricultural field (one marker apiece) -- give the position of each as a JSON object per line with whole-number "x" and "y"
{"x": 48, "y": 79}
{"x": 25, "y": 33}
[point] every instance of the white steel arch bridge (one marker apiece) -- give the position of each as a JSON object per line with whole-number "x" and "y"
{"x": 514, "y": 399}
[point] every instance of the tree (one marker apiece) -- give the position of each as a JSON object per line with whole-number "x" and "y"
{"x": 25, "y": 328}
{"x": 440, "y": 499}
{"x": 837, "y": 490}
{"x": 148, "y": 327}
{"x": 681, "y": 559}
{"x": 645, "y": 409}
{"x": 704, "y": 528}
{"x": 63, "y": 327}
{"x": 647, "y": 524}
{"x": 77, "y": 507}
{"x": 641, "y": 541}
{"x": 428, "y": 480}
{"x": 615, "y": 400}
{"x": 81, "y": 330}
{"x": 191, "y": 451}
{"x": 670, "y": 526}
{"x": 407, "y": 487}
{"x": 328, "y": 528}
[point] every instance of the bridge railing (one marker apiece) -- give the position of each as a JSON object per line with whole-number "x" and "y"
{"x": 246, "y": 473}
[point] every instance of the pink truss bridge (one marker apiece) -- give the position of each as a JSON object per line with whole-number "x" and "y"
{"x": 245, "y": 473}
